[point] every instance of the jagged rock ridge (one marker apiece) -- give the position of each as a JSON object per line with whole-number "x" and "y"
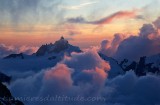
{"x": 57, "y": 47}
{"x": 140, "y": 68}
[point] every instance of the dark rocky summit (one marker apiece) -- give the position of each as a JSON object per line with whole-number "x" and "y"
{"x": 57, "y": 47}
{"x": 140, "y": 68}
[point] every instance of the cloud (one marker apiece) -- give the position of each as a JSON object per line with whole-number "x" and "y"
{"x": 49, "y": 82}
{"x": 80, "y": 20}
{"x": 127, "y": 89}
{"x": 157, "y": 23}
{"x": 65, "y": 79}
{"x": 76, "y": 7}
{"x": 105, "y": 20}
{"x": 6, "y": 50}
{"x": 132, "y": 90}
{"x": 14, "y": 10}
{"x": 29, "y": 12}
{"x": 117, "y": 15}
{"x": 134, "y": 46}
{"x": 78, "y": 61}
{"x": 59, "y": 79}
{"x": 86, "y": 75}
{"x": 145, "y": 44}
{"x": 109, "y": 48}
{"x": 146, "y": 30}
{"x": 27, "y": 49}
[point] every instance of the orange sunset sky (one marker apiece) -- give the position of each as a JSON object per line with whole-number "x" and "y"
{"x": 84, "y": 23}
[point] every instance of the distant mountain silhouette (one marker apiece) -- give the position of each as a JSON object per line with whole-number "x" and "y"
{"x": 59, "y": 46}
{"x": 48, "y": 55}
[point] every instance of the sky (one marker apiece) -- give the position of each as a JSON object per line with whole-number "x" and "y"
{"x": 84, "y": 23}
{"x": 120, "y": 29}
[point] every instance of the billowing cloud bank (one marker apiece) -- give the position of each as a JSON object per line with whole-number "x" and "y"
{"x": 84, "y": 76}
{"x": 6, "y": 50}
{"x": 146, "y": 43}
{"x": 131, "y": 90}
{"x": 109, "y": 48}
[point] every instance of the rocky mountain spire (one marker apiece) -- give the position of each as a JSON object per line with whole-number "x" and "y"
{"x": 59, "y": 46}
{"x": 62, "y": 37}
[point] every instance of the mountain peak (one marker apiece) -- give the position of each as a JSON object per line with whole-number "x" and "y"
{"x": 60, "y": 45}
{"x": 62, "y": 42}
{"x": 62, "y": 38}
